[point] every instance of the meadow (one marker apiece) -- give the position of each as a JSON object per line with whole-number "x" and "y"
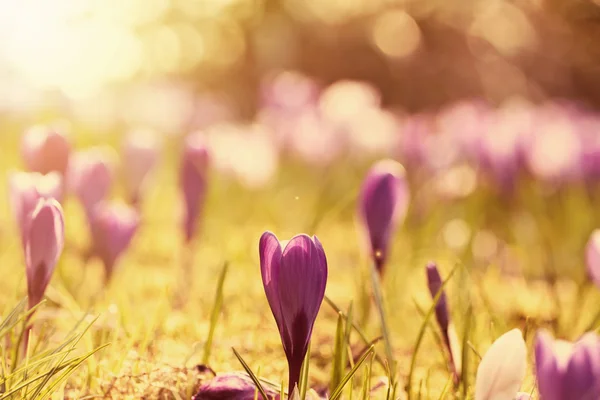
{"x": 505, "y": 214}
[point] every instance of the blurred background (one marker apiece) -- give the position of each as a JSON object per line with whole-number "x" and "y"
{"x": 179, "y": 65}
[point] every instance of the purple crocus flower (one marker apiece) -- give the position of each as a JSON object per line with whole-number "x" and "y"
{"x": 112, "y": 227}
{"x": 26, "y": 188}
{"x": 193, "y": 178}
{"x": 91, "y": 175}
{"x": 294, "y": 276}
{"x": 140, "y": 155}
{"x": 44, "y": 242}
{"x": 442, "y": 315}
{"x": 592, "y": 257}
{"x": 568, "y": 371}
{"x": 232, "y": 386}
{"x": 45, "y": 149}
{"x": 383, "y": 202}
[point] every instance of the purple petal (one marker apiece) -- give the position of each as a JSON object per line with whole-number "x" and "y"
{"x": 232, "y": 386}
{"x": 582, "y": 377}
{"x": 270, "y": 253}
{"x": 548, "y": 374}
{"x": 44, "y": 244}
{"x": 302, "y": 281}
{"x": 434, "y": 282}
{"x": 193, "y": 178}
{"x": 382, "y": 205}
{"x": 45, "y": 149}
{"x": 91, "y": 175}
{"x": 113, "y": 227}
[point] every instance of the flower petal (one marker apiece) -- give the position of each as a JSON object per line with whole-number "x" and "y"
{"x": 547, "y": 369}
{"x": 502, "y": 369}
{"x": 44, "y": 244}
{"x": 582, "y": 376}
{"x": 269, "y": 250}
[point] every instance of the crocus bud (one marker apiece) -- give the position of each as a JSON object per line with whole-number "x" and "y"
{"x": 434, "y": 282}
{"x": 26, "y": 188}
{"x": 294, "y": 279}
{"x": 193, "y": 178}
{"x": 140, "y": 155}
{"x": 232, "y": 386}
{"x": 91, "y": 175}
{"x": 502, "y": 369}
{"x": 45, "y": 149}
{"x": 382, "y": 205}
{"x": 44, "y": 242}
{"x": 112, "y": 226}
{"x": 568, "y": 371}
{"x": 442, "y": 315}
{"x": 592, "y": 257}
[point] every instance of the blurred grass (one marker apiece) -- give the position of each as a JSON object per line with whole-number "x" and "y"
{"x": 534, "y": 279}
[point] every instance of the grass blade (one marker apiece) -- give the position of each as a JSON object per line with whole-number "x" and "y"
{"x": 339, "y": 353}
{"x": 387, "y": 339}
{"x": 304, "y": 374}
{"x": 338, "y": 391}
{"x": 214, "y": 315}
{"x": 422, "y": 330}
{"x": 251, "y": 374}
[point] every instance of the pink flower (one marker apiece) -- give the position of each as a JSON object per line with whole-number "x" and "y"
{"x": 193, "y": 180}
{"x": 26, "y": 188}
{"x": 382, "y": 206}
{"x": 45, "y": 149}
{"x": 140, "y": 154}
{"x": 232, "y": 386}
{"x": 112, "y": 227}
{"x": 91, "y": 174}
{"x": 44, "y": 242}
{"x": 294, "y": 279}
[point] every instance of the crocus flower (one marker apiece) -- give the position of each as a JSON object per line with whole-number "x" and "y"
{"x": 382, "y": 205}
{"x": 91, "y": 175}
{"x": 26, "y": 188}
{"x": 294, "y": 276}
{"x": 568, "y": 371}
{"x": 442, "y": 315}
{"x": 45, "y": 149}
{"x": 232, "y": 386}
{"x": 193, "y": 179}
{"x": 502, "y": 369}
{"x": 44, "y": 242}
{"x": 140, "y": 155}
{"x": 112, "y": 226}
{"x": 592, "y": 257}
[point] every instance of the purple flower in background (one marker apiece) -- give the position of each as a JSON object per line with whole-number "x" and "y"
{"x": 44, "y": 242}
{"x": 26, "y": 188}
{"x": 193, "y": 179}
{"x": 592, "y": 257}
{"x": 45, "y": 149}
{"x": 91, "y": 174}
{"x": 442, "y": 315}
{"x": 112, "y": 226}
{"x": 232, "y": 386}
{"x": 294, "y": 279}
{"x": 140, "y": 154}
{"x": 502, "y": 145}
{"x": 383, "y": 202}
{"x": 568, "y": 371}
{"x": 554, "y": 149}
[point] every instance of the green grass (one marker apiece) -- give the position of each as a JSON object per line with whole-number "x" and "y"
{"x": 145, "y": 344}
